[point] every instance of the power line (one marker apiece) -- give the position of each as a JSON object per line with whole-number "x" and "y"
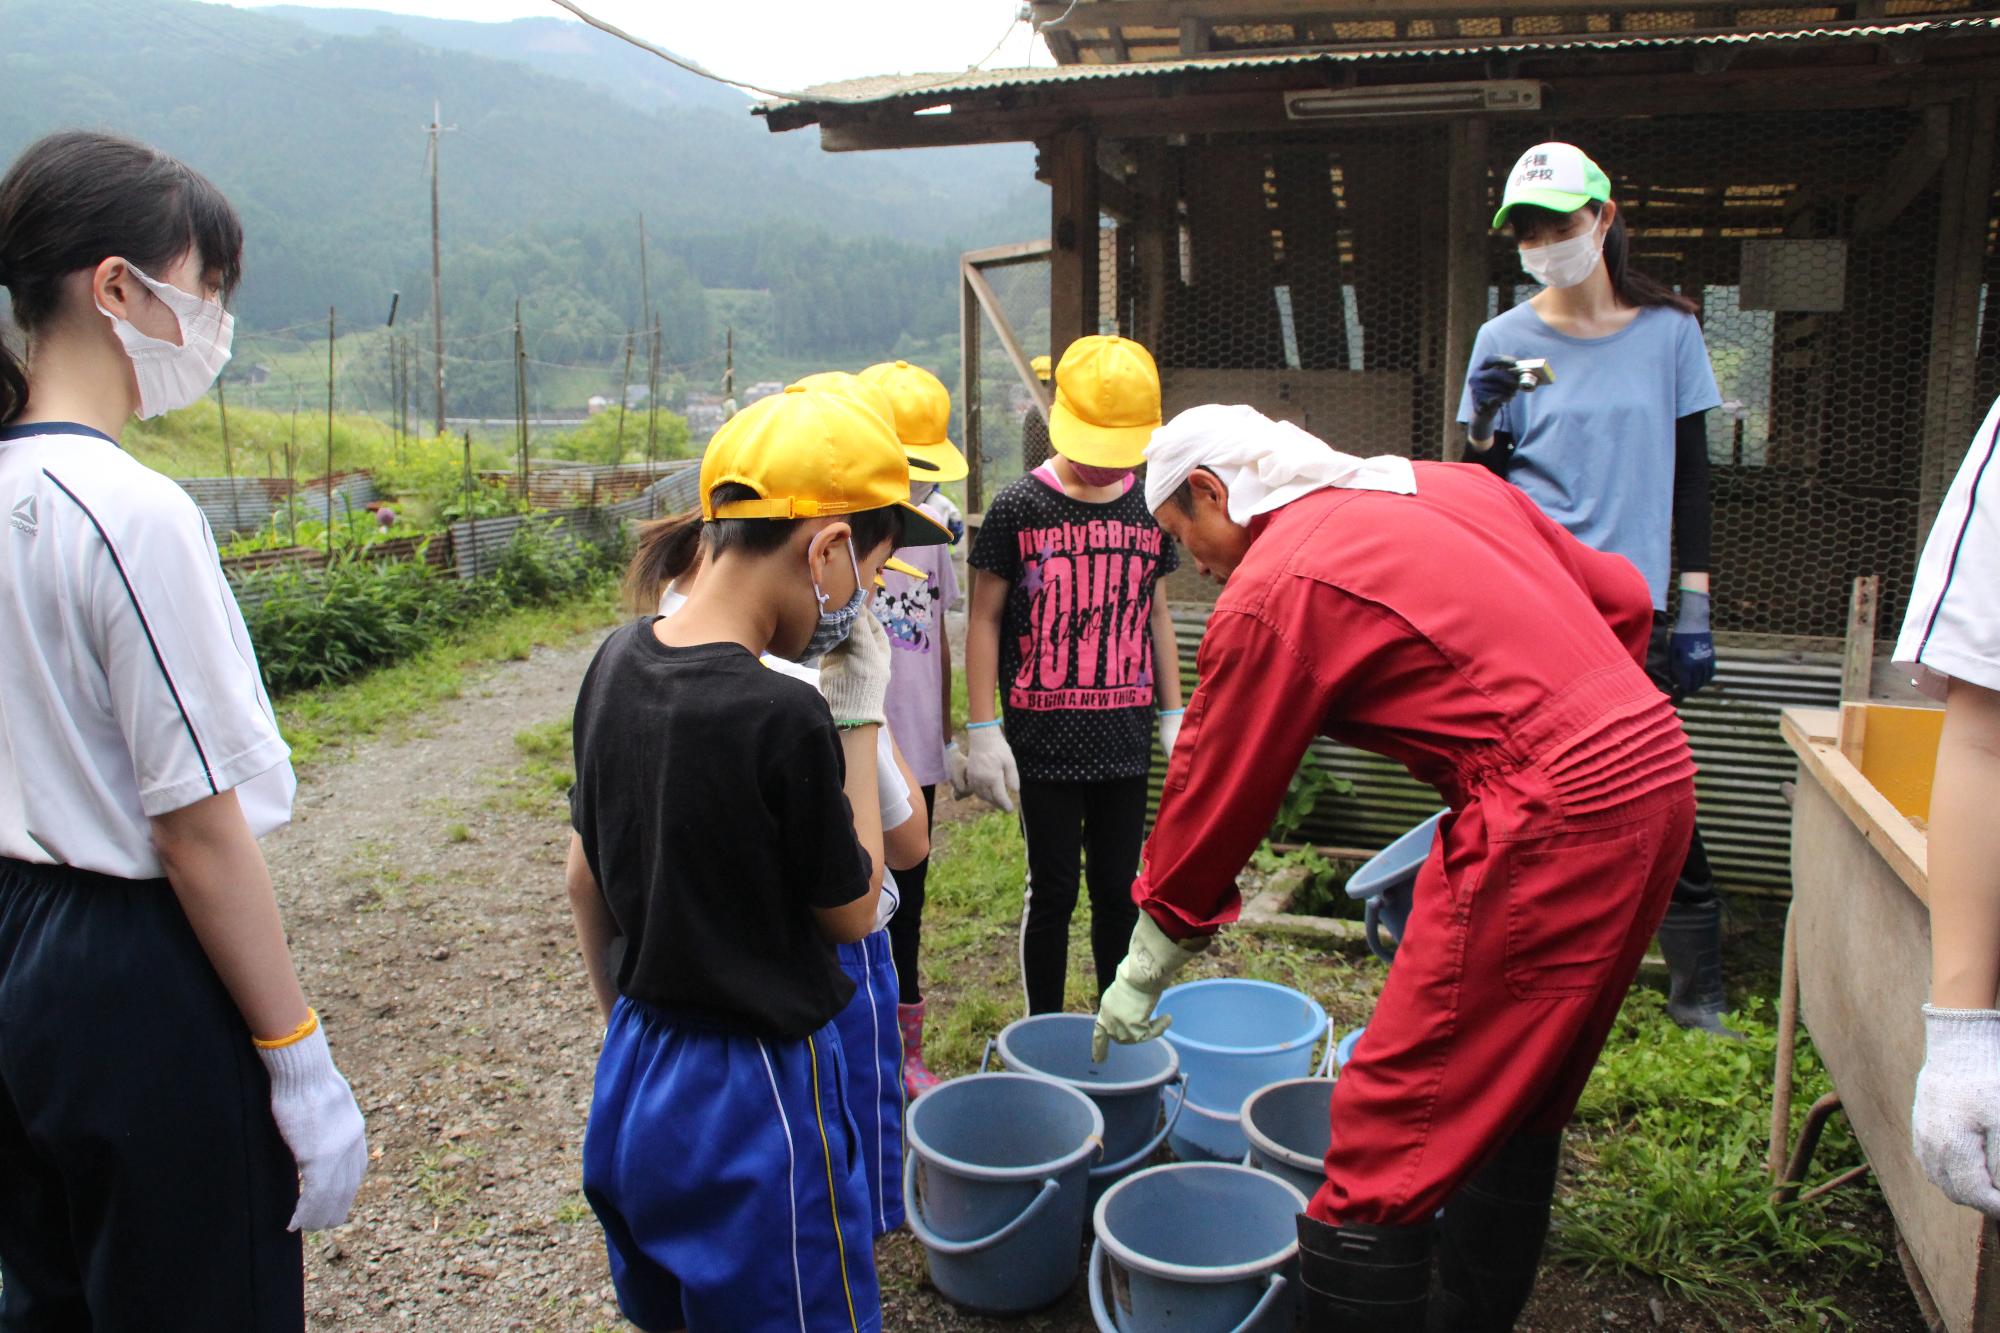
{"x": 681, "y": 62}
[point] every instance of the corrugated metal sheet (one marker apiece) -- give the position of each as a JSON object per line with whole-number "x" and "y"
{"x": 882, "y": 90}
{"x": 233, "y": 505}
{"x": 1732, "y": 727}
{"x": 350, "y": 495}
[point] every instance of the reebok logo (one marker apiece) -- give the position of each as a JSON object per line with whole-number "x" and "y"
{"x": 24, "y": 518}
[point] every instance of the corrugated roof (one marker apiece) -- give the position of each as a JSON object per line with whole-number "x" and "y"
{"x": 886, "y": 89}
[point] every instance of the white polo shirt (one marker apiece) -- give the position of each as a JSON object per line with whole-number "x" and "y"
{"x": 128, "y": 686}
{"x": 1952, "y": 628}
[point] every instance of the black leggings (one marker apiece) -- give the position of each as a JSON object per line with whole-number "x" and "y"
{"x": 1103, "y": 825}
{"x": 906, "y": 927}
{"x": 1696, "y": 884}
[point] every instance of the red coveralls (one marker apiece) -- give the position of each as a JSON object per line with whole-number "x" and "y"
{"x": 1462, "y": 632}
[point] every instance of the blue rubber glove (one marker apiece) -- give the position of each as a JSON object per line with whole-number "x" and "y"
{"x": 1691, "y": 660}
{"x": 1494, "y": 383}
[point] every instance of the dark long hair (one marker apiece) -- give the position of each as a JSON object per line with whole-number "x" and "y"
{"x": 1631, "y": 287}
{"x": 670, "y": 547}
{"x": 74, "y": 199}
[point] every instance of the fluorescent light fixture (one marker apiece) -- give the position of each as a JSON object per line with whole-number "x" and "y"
{"x": 1415, "y": 99}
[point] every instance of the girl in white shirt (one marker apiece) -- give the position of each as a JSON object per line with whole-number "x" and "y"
{"x": 170, "y": 1117}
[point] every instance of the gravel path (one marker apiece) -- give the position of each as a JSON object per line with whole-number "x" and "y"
{"x": 424, "y": 896}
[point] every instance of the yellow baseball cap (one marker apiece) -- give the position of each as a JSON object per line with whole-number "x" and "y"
{"x": 922, "y": 409}
{"x": 1107, "y": 402}
{"x": 815, "y": 452}
{"x": 1040, "y": 365}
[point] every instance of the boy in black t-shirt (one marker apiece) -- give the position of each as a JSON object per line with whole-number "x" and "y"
{"x": 728, "y": 832}
{"x": 1065, "y": 627}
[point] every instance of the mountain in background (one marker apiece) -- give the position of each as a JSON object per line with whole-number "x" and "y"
{"x": 312, "y": 122}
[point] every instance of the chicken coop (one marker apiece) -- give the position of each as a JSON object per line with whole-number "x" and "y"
{"x": 1289, "y": 202}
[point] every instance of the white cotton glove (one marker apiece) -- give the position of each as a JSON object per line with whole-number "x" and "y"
{"x": 990, "y": 770}
{"x": 954, "y": 768}
{"x": 854, "y": 677}
{"x": 1125, "y": 1014}
{"x": 1955, "y": 1123}
{"x": 1170, "y": 729}
{"x": 321, "y": 1124}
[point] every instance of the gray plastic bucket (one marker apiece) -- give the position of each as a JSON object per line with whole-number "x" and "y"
{"x": 1196, "y": 1247}
{"x": 1387, "y": 882}
{"x": 1128, "y": 1086}
{"x": 995, "y": 1187}
{"x": 1289, "y": 1129}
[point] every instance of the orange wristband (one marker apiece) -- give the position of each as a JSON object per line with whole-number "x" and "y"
{"x": 292, "y": 1038}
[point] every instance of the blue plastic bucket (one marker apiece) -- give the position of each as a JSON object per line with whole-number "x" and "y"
{"x": 1127, "y": 1085}
{"x": 1345, "y": 1050}
{"x": 1197, "y": 1247}
{"x": 995, "y": 1184}
{"x": 1290, "y": 1129}
{"x": 1234, "y": 1037}
{"x": 1387, "y": 883}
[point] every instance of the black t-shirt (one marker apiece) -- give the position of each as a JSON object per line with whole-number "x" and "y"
{"x": 1076, "y": 642}
{"x": 709, "y": 799}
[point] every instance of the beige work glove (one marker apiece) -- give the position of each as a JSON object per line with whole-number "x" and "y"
{"x": 1126, "y": 1012}
{"x": 854, "y": 675}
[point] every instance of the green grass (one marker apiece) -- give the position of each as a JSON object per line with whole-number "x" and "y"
{"x": 1667, "y": 1147}
{"x": 548, "y": 766}
{"x": 1671, "y": 1137}
{"x": 322, "y": 722}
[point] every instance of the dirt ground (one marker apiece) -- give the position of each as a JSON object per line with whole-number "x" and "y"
{"x": 422, "y": 883}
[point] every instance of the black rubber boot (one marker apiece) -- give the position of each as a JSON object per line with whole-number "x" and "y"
{"x": 1361, "y": 1279}
{"x": 1490, "y": 1238}
{"x": 1691, "y": 942}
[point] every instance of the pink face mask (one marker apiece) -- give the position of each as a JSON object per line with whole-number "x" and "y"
{"x": 1099, "y": 476}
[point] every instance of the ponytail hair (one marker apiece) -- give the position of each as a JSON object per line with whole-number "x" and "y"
{"x": 670, "y": 547}
{"x": 667, "y": 549}
{"x": 1631, "y": 287}
{"x": 76, "y": 198}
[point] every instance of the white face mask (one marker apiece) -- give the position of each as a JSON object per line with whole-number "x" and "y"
{"x": 1564, "y": 263}
{"x": 172, "y": 376}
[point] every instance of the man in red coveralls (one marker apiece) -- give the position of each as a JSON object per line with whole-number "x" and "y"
{"x": 1431, "y": 613}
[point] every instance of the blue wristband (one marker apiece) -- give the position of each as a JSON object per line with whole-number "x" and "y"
{"x": 1172, "y": 712}
{"x": 976, "y": 726}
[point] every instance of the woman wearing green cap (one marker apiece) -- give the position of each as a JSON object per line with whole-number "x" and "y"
{"x": 1614, "y": 446}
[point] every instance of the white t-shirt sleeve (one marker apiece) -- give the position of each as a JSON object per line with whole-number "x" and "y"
{"x": 890, "y": 789}
{"x": 181, "y": 675}
{"x": 1951, "y": 630}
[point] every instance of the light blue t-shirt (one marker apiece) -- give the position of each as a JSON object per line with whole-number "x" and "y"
{"x": 1595, "y": 448}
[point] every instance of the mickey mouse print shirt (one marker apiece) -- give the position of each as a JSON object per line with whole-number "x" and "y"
{"x": 1076, "y": 644}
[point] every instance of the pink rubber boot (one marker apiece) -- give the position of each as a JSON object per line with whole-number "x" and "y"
{"x": 917, "y": 1080}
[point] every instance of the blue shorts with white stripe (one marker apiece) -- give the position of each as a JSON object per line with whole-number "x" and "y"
{"x": 873, "y": 1046}
{"x": 728, "y": 1173}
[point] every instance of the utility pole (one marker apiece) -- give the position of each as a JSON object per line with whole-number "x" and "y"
{"x": 395, "y": 386}
{"x": 653, "y": 397}
{"x": 521, "y": 396}
{"x": 624, "y": 393}
{"x": 729, "y": 375}
{"x": 435, "y": 129}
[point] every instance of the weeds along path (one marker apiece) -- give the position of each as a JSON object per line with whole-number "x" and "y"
{"x": 421, "y": 880}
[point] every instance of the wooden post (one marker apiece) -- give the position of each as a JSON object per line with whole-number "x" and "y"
{"x": 970, "y": 389}
{"x": 1073, "y": 245}
{"x": 292, "y": 474}
{"x": 1465, "y": 269}
{"x": 329, "y": 435}
{"x": 228, "y": 461}
{"x": 1950, "y": 409}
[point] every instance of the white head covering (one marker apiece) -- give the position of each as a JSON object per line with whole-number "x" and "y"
{"x": 1265, "y": 464}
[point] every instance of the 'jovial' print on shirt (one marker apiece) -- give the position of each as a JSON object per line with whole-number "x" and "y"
{"x": 1089, "y": 644}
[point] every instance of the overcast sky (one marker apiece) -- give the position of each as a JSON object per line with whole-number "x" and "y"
{"x": 783, "y": 44}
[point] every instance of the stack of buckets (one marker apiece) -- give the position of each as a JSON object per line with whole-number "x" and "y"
{"x": 1003, "y": 1167}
